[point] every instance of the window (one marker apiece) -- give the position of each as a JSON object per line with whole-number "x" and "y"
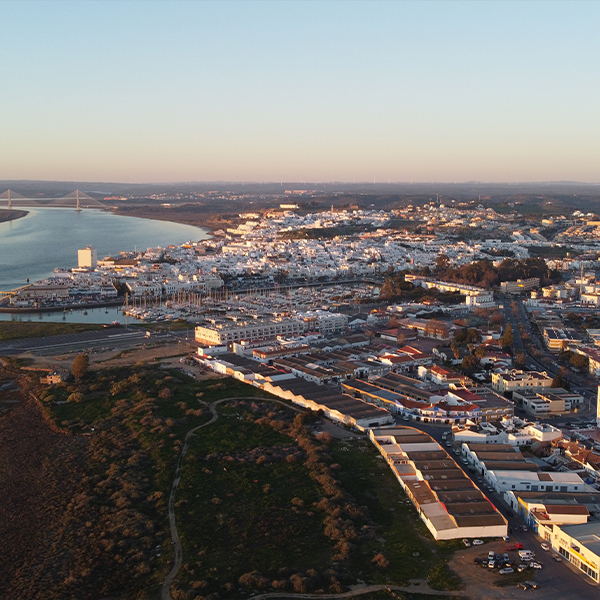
{"x": 589, "y": 571}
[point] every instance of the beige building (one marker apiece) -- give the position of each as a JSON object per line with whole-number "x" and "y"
{"x": 520, "y": 285}
{"x": 87, "y": 258}
{"x": 43, "y": 292}
{"x": 224, "y": 333}
{"x": 579, "y": 544}
{"x": 515, "y": 380}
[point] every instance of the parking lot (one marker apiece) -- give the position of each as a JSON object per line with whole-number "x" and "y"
{"x": 555, "y": 580}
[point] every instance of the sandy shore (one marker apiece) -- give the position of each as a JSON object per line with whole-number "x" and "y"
{"x": 11, "y": 215}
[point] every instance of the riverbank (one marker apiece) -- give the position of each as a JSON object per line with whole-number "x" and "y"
{"x": 187, "y": 214}
{"x": 11, "y": 215}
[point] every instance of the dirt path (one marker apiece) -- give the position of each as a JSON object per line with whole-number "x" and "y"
{"x": 177, "y": 548}
{"x": 417, "y": 586}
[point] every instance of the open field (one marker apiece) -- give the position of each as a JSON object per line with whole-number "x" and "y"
{"x": 265, "y": 505}
{"x": 103, "y": 453}
{"x": 15, "y": 330}
{"x": 265, "y": 502}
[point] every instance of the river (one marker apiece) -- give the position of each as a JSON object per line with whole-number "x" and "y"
{"x": 33, "y": 246}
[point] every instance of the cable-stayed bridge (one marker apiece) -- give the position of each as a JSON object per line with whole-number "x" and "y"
{"x": 76, "y": 199}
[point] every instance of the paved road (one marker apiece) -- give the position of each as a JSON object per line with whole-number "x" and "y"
{"x": 117, "y": 337}
{"x": 587, "y": 387}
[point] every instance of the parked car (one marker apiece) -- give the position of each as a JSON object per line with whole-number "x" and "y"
{"x": 506, "y": 571}
{"x": 477, "y": 542}
{"x": 491, "y": 555}
{"x": 521, "y": 568}
{"x": 524, "y": 528}
{"x": 466, "y": 542}
{"x": 506, "y": 538}
{"x": 545, "y": 547}
{"x": 516, "y": 546}
{"x": 491, "y": 563}
{"x": 536, "y": 565}
{"x": 526, "y": 555}
{"x": 527, "y": 585}
{"x": 557, "y": 558}
{"x": 506, "y": 558}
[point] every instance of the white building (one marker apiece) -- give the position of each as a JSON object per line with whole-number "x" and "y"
{"x": 448, "y": 502}
{"x": 508, "y": 432}
{"x": 530, "y": 481}
{"x": 87, "y": 258}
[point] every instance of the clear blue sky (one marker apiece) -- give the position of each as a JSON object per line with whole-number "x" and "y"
{"x": 314, "y": 91}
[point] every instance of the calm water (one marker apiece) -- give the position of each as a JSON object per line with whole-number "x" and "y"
{"x": 32, "y": 247}
{"x": 107, "y": 315}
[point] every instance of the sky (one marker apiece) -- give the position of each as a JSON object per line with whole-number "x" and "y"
{"x": 300, "y": 91}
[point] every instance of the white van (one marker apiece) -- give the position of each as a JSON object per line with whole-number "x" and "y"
{"x": 526, "y": 555}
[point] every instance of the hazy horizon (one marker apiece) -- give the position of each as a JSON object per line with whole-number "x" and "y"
{"x": 243, "y": 182}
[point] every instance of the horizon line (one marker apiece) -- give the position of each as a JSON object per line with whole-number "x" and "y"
{"x": 305, "y": 183}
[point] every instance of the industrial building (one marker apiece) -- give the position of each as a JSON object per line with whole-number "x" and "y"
{"x": 447, "y": 500}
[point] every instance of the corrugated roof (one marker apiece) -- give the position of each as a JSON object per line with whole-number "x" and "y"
{"x": 471, "y": 508}
{"x": 563, "y": 509}
{"x": 480, "y": 520}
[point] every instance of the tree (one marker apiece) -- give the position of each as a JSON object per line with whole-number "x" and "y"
{"x": 480, "y": 352}
{"x": 496, "y": 318}
{"x": 460, "y": 338}
{"x": 469, "y": 363}
{"x": 580, "y": 361}
{"x": 381, "y": 561}
{"x": 560, "y": 379}
{"x": 80, "y": 366}
{"x": 481, "y": 313}
{"x": 507, "y": 339}
{"x": 442, "y": 262}
{"x": 473, "y": 336}
{"x": 520, "y": 361}
{"x": 75, "y": 397}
